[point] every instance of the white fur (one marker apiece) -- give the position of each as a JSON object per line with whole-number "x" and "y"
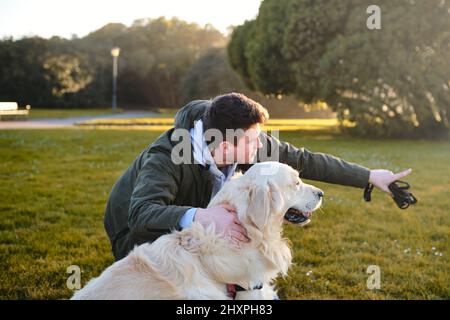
{"x": 197, "y": 263}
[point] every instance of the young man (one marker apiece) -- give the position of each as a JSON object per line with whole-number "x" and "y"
{"x": 156, "y": 195}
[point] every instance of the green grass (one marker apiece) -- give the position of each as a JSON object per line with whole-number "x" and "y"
{"x": 46, "y": 113}
{"x": 36, "y": 113}
{"x": 164, "y": 123}
{"x": 55, "y": 183}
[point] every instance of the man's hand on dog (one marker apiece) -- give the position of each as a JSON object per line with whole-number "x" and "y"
{"x": 381, "y": 178}
{"x": 225, "y": 219}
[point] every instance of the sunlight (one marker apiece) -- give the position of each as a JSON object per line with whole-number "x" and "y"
{"x": 63, "y": 18}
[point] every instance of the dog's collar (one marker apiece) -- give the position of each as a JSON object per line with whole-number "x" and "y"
{"x": 232, "y": 289}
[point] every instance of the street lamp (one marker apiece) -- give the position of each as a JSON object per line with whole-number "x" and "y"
{"x": 115, "y": 54}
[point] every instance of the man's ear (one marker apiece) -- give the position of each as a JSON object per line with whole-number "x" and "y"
{"x": 262, "y": 200}
{"x": 225, "y": 147}
{"x": 219, "y": 151}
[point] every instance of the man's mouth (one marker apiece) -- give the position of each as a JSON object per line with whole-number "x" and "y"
{"x": 297, "y": 217}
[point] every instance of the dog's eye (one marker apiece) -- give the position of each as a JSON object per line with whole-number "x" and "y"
{"x": 297, "y": 183}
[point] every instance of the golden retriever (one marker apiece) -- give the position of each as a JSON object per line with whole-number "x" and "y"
{"x": 198, "y": 263}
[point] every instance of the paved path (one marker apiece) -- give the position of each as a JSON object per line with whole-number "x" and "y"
{"x": 69, "y": 122}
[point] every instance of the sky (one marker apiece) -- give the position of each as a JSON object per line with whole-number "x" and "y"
{"x": 47, "y": 18}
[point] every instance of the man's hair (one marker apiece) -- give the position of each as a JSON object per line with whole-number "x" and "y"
{"x": 233, "y": 111}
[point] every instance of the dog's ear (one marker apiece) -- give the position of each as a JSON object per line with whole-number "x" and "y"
{"x": 263, "y": 199}
{"x": 276, "y": 198}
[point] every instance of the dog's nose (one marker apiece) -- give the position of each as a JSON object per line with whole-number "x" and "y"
{"x": 320, "y": 194}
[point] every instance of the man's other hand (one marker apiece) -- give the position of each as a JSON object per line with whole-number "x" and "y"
{"x": 224, "y": 218}
{"x": 381, "y": 178}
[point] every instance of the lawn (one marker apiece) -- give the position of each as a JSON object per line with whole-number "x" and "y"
{"x": 164, "y": 123}
{"x": 37, "y": 113}
{"x": 47, "y": 113}
{"x": 55, "y": 183}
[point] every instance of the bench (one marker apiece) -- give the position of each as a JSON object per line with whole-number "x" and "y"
{"x": 12, "y": 108}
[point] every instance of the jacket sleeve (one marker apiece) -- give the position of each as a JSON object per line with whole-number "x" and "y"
{"x": 152, "y": 210}
{"x": 315, "y": 166}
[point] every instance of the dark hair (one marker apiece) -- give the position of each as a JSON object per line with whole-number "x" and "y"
{"x": 233, "y": 111}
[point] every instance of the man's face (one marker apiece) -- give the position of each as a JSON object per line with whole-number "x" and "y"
{"x": 247, "y": 146}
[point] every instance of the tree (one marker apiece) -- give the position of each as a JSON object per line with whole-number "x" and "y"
{"x": 155, "y": 57}
{"x": 392, "y": 82}
{"x": 66, "y": 74}
{"x": 210, "y": 76}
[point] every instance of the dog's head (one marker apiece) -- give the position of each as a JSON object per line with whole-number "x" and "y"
{"x": 275, "y": 191}
{"x": 262, "y": 197}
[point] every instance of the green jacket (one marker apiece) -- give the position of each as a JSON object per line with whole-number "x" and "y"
{"x": 150, "y": 198}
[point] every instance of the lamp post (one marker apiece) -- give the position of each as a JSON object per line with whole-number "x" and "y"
{"x": 115, "y": 54}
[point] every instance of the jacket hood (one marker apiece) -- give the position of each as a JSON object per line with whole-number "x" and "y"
{"x": 191, "y": 112}
{"x": 184, "y": 118}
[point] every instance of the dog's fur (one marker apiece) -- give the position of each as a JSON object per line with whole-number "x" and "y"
{"x": 197, "y": 263}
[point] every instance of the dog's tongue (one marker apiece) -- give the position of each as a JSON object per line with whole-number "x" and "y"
{"x": 307, "y": 214}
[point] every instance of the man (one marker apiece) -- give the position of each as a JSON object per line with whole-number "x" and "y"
{"x": 157, "y": 194}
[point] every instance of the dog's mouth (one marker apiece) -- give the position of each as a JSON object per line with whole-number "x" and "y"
{"x": 296, "y": 216}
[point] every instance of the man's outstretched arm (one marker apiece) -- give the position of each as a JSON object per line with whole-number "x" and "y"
{"x": 328, "y": 168}
{"x": 314, "y": 165}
